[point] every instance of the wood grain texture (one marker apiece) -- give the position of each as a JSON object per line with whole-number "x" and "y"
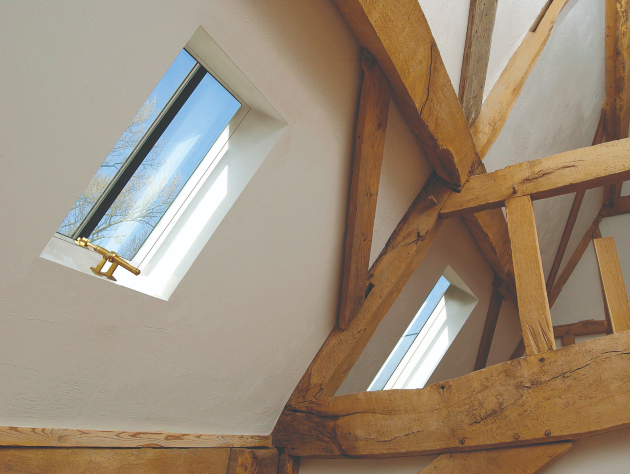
{"x": 499, "y": 103}
{"x": 533, "y": 307}
{"x": 527, "y": 459}
{"x": 558, "y": 174}
{"x": 583, "y": 328}
{"x": 490, "y": 232}
{"x": 44, "y": 437}
{"x": 253, "y": 461}
{"x": 392, "y": 269}
{"x": 481, "y": 17}
{"x": 496, "y": 300}
{"x": 566, "y": 394}
{"x": 397, "y": 33}
{"x": 89, "y": 460}
{"x": 614, "y": 286}
{"x": 622, "y": 206}
{"x": 617, "y": 65}
{"x": 366, "y": 174}
{"x": 289, "y": 464}
{"x": 568, "y": 339}
{"x": 573, "y": 261}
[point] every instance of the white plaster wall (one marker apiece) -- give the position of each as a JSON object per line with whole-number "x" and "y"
{"x": 225, "y": 352}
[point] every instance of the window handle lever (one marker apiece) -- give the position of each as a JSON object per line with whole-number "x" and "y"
{"x": 112, "y": 257}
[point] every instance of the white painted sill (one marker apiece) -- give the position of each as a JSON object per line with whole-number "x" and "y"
{"x": 181, "y": 242}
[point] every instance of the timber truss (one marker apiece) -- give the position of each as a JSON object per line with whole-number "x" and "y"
{"x": 517, "y": 416}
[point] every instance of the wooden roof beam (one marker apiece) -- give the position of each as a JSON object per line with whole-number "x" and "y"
{"x": 481, "y": 17}
{"x": 558, "y": 174}
{"x": 499, "y": 103}
{"x": 532, "y": 400}
{"x": 396, "y": 32}
{"x": 533, "y": 306}
{"x": 366, "y": 173}
{"x": 527, "y": 459}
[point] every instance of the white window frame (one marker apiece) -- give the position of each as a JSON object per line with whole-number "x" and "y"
{"x": 242, "y": 146}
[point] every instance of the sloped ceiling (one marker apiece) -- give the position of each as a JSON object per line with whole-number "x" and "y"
{"x": 225, "y": 352}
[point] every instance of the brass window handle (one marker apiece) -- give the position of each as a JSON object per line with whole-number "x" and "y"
{"x": 112, "y": 257}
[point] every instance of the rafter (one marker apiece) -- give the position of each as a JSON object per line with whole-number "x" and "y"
{"x": 481, "y": 17}
{"x": 527, "y": 401}
{"x": 558, "y": 174}
{"x": 527, "y": 459}
{"x": 366, "y": 173}
{"x": 44, "y": 437}
{"x": 499, "y": 103}
{"x": 398, "y": 35}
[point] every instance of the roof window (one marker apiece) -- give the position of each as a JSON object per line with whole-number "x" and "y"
{"x": 429, "y": 335}
{"x": 175, "y": 172}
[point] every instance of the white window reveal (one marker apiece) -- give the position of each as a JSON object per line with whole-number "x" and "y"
{"x": 175, "y": 172}
{"x": 428, "y": 336}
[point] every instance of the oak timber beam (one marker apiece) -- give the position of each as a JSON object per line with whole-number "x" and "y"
{"x": 489, "y": 230}
{"x": 474, "y": 70}
{"x": 533, "y": 306}
{"x": 496, "y": 300}
{"x": 396, "y": 32}
{"x": 44, "y": 437}
{"x": 583, "y": 328}
{"x": 288, "y": 464}
{"x": 99, "y": 460}
{"x": 566, "y": 394}
{"x": 401, "y": 256}
{"x": 618, "y": 66}
{"x": 577, "y": 203}
{"x": 253, "y": 461}
{"x": 366, "y": 173}
{"x": 499, "y": 103}
{"x": 526, "y": 459}
{"x": 555, "y": 175}
{"x": 616, "y": 298}
{"x": 574, "y": 260}
{"x": 622, "y": 206}
{"x": 617, "y": 79}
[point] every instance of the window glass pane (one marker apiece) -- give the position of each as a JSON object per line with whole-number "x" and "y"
{"x": 128, "y": 141}
{"x": 167, "y": 168}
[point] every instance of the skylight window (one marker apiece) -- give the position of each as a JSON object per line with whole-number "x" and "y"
{"x": 151, "y": 165}
{"x": 429, "y": 335}
{"x": 175, "y": 173}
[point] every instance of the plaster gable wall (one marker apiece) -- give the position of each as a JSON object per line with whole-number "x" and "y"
{"x": 224, "y": 353}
